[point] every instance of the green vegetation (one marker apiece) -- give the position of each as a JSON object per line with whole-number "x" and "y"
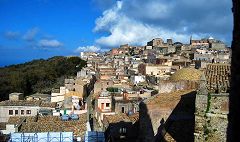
{"x": 206, "y": 130}
{"x": 38, "y": 75}
{"x": 131, "y": 51}
{"x": 154, "y": 92}
{"x": 112, "y": 89}
{"x": 208, "y": 103}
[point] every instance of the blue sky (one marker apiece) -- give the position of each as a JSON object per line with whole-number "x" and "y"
{"x": 33, "y": 29}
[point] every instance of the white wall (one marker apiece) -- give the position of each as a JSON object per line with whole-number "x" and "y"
{"x": 157, "y": 70}
{"x": 59, "y": 97}
{"x": 4, "y": 111}
{"x": 105, "y": 101}
{"x": 137, "y": 79}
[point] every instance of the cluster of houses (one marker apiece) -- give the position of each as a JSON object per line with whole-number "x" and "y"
{"x": 130, "y": 93}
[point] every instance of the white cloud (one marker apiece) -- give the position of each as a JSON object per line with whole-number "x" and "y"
{"x": 11, "y": 35}
{"x": 137, "y": 33}
{"x": 30, "y": 34}
{"x": 138, "y": 21}
{"x": 123, "y": 29}
{"x": 49, "y": 43}
{"x": 88, "y": 49}
{"x": 109, "y": 17}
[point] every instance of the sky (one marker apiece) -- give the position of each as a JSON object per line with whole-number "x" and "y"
{"x": 34, "y": 29}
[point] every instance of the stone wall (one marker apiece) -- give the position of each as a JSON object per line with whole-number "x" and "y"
{"x": 219, "y": 103}
{"x": 16, "y": 96}
{"x": 217, "y": 46}
{"x": 171, "y": 86}
{"x": 211, "y": 117}
{"x": 126, "y": 106}
{"x": 175, "y": 118}
{"x": 4, "y": 111}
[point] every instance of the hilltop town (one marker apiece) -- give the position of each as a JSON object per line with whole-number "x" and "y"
{"x": 163, "y": 91}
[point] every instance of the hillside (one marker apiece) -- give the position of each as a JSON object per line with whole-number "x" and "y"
{"x": 38, "y": 75}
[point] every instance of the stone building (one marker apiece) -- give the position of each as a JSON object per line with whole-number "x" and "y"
{"x": 135, "y": 79}
{"x": 81, "y": 86}
{"x": 103, "y": 106}
{"x": 203, "y": 57}
{"x": 44, "y": 124}
{"x": 86, "y": 55}
{"x": 171, "y": 49}
{"x": 73, "y": 100}
{"x": 169, "y": 41}
{"x": 16, "y": 96}
{"x": 161, "y": 49}
{"x": 57, "y": 95}
{"x": 106, "y": 73}
{"x": 199, "y": 43}
{"x": 69, "y": 83}
{"x": 39, "y": 96}
{"x": 155, "y": 42}
{"x": 167, "y": 86}
{"x": 151, "y": 69}
{"x": 182, "y": 63}
{"x": 126, "y": 103}
{"x": 217, "y": 46}
{"x": 167, "y": 117}
{"x": 101, "y": 85}
{"x": 121, "y": 127}
{"x": 22, "y": 108}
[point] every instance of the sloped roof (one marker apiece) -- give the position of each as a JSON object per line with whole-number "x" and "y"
{"x": 73, "y": 93}
{"x": 190, "y": 74}
{"x": 55, "y": 124}
{"x": 27, "y": 103}
{"x": 166, "y": 100}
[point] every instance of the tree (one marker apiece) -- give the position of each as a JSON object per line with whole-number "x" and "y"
{"x": 38, "y": 75}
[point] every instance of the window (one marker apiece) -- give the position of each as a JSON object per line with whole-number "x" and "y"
{"x": 16, "y": 112}
{"x": 122, "y": 130}
{"x": 10, "y": 112}
{"x": 123, "y": 110}
{"x": 22, "y": 112}
{"x": 28, "y": 112}
{"x": 107, "y": 104}
{"x": 102, "y": 105}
